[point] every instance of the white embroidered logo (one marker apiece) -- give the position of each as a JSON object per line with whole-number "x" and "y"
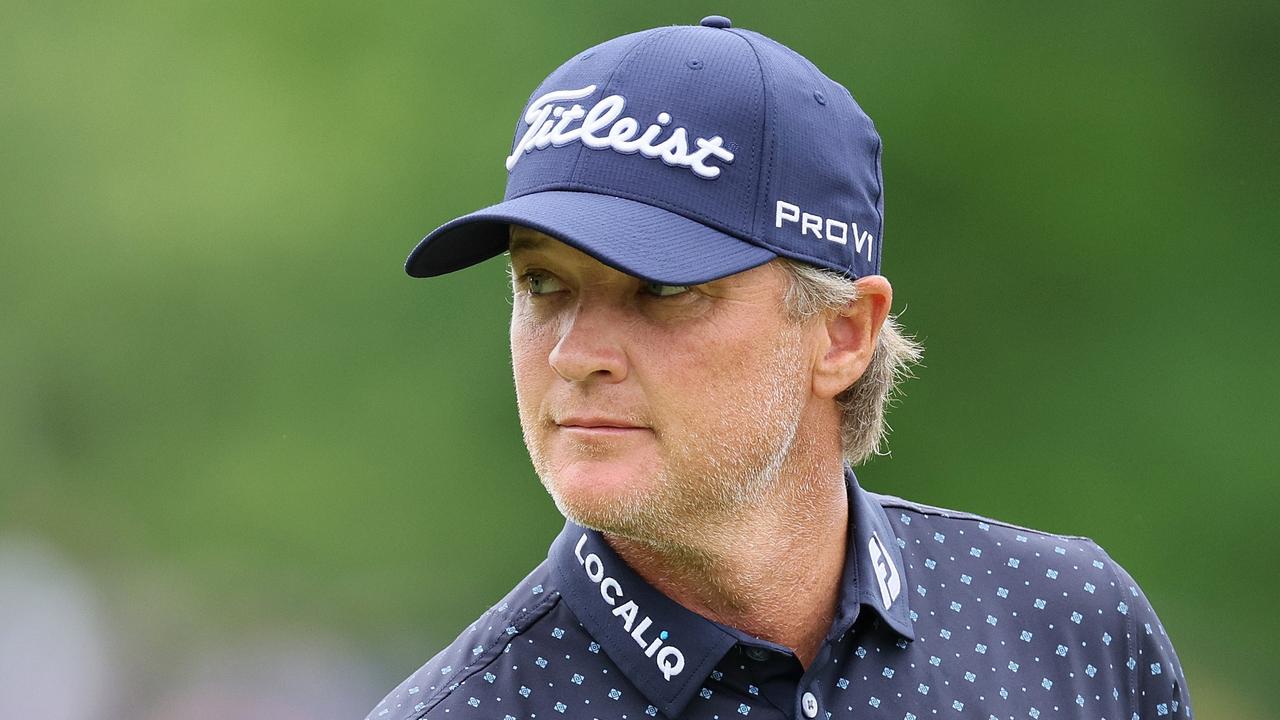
{"x": 669, "y": 659}
{"x": 837, "y": 231}
{"x": 886, "y": 574}
{"x": 601, "y": 128}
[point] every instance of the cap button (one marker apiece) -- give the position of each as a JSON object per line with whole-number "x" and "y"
{"x": 716, "y": 21}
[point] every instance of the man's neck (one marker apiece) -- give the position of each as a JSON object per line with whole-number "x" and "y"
{"x": 774, "y": 572}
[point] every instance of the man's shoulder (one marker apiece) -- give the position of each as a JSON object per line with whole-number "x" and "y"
{"x": 911, "y": 519}
{"x": 891, "y": 502}
{"x": 952, "y": 552}
{"x": 1062, "y": 597}
{"x": 475, "y": 648}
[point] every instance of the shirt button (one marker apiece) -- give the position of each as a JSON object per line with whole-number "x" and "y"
{"x": 757, "y": 654}
{"x": 809, "y": 704}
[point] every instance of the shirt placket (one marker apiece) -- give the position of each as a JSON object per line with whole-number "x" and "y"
{"x": 811, "y": 698}
{"x": 777, "y": 681}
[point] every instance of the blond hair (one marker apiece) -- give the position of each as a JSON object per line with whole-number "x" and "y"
{"x": 863, "y": 428}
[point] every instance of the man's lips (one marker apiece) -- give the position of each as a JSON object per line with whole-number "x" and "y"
{"x": 598, "y": 425}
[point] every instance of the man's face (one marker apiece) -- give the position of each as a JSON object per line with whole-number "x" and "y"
{"x": 648, "y": 408}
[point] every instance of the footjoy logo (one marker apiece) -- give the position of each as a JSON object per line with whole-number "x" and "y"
{"x": 668, "y": 657}
{"x": 886, "y": 574}
{"x": 602, "y": 128}
{"x": 837, "y": 231}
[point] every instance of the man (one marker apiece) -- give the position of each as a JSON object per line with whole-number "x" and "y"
{"x": 702, "y": 348}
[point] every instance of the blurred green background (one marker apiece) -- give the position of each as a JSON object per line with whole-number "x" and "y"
{"x": 262, "y": 472}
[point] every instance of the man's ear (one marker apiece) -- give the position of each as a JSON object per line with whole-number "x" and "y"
{"x": 850, "y": 337}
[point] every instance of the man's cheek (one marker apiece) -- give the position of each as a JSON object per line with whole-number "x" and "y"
{"x": 531, "y": 371}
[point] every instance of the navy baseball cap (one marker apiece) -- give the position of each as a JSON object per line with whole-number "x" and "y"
{"x": 681, "y": 155}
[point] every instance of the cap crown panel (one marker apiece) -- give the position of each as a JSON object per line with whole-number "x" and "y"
{"x": 708, "y": 82}
{"x": 824, "y": 160}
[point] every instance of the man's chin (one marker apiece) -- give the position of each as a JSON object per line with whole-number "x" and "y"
{"x": 604, "y": 496}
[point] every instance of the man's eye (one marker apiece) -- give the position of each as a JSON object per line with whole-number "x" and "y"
{"x": 661, "y": 290}
{"x": 539, "y": 283}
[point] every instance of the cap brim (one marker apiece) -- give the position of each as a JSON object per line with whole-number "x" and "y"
{"x": 638, "y": 239}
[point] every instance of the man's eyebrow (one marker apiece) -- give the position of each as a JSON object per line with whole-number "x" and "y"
{"x": 525, "y": 242}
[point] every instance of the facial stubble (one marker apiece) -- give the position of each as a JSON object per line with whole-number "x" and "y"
{"x": 710, "y": 475}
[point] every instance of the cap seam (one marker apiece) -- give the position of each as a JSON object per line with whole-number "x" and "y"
{"x": 764, "y": 168}
{"x": 878, "y": 204}
{"x": 604, "y": 87}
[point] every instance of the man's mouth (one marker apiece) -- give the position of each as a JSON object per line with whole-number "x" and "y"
{"x": 598, "y": 425}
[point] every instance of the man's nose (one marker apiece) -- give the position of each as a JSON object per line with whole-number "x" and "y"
{"x": 590, "y": 347}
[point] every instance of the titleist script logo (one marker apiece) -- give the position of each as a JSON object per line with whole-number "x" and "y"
{"x": 886, "y": 574}
{"x": 669, "y": 658}
{"x": 836, "y": 231}
{"x": 552, "y": 125}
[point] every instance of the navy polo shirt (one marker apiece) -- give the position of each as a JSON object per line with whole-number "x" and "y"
{"x": 942, "y": 614}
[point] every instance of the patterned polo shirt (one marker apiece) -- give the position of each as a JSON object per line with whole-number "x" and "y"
{"x": 942, "y": 614}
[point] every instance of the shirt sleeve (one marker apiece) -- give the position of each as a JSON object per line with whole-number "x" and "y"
{"x": 1157, "y": 687}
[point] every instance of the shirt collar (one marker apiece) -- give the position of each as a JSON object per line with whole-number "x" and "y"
{"x": 873, "y": 568}
{"x": 666, "y": 650}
